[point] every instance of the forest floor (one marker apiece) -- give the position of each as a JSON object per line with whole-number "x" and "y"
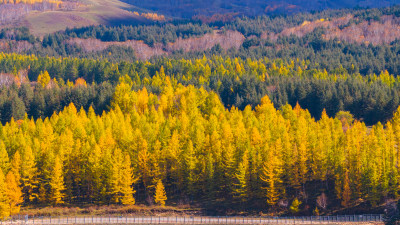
{"x": 93, "y": 210}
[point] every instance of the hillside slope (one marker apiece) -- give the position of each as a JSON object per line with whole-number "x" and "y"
{"x": 384, "y": 31}
{"x": 190, "y": 8}
{"x": 89, "y": 12}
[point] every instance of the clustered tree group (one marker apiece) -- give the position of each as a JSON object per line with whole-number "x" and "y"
{"x": 238, "y": 82}
{"x": 262, "y": 34}
{"x": 183, "y": 143}
{"x": 219, "y": 128}
{"x": 39, "y": 102}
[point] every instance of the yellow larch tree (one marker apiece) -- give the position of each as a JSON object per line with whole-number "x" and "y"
{"x": 127, "y": 181}
{"x": 44, "y": 79}
{"x": 16, "y": 167}
{"x": 4, "y": 159}
{"x": 346, "y": 193}
{"x": 160, "y": 195}
{"x": 116, "y": 175}
{"x": 14, "y": 194}
{"x": 271, "y": 174}
{"x": 241, "y": 184}
{"x": 29, "y": 175}
{"x": 57, "y": 183}
{"x": 4, "y": 202}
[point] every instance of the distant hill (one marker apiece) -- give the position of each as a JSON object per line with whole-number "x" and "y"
{"x": 190, "y": 8}
{"x": 47, "y": 16}
{"x": 44, "y": 16}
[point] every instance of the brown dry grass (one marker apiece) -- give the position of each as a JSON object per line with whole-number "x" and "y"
{"x": 92, "y": 12}
{"x": 227, "y": 40}
{"x": 382, "y": 32}
{"x": 142, "y": 50}
{"x": 93, "y": 210}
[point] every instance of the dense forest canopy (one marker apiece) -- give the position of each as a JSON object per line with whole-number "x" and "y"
{"x": 263, "y": 38}
{"x": 238, "y": 83}
{"x": 184, "y": 141}
{"x": 190, "y": 8}
{"x": 284, "y": 114}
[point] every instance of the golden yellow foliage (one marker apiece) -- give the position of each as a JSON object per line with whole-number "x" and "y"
{"x": 160, "y": 195}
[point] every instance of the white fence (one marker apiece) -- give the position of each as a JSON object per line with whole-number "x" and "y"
{"x": 193, "y": 220}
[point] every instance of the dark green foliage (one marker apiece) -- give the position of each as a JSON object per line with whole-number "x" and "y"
{"x": 370, "y": 102}
{"x": 18, "y": 34}
{"x": 38, "y": 102}
{"x": 161, "y": 33}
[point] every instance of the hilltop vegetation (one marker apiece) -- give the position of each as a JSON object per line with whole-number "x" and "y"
{"x": 327, "y": 39}
{"x": 191, "y": 8}
{"x": 238, "y": 82}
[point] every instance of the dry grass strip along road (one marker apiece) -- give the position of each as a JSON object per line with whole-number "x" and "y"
{"x": 198, "y": 220}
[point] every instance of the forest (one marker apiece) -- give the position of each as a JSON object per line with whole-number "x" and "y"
{"x": 238, "y": 83}
{"x": 285, "y": 123}
{"x": 184, "y": 144}
{"x": 262, "y": 35}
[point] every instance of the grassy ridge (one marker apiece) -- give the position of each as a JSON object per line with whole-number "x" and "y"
{"x": 93, "y": 12}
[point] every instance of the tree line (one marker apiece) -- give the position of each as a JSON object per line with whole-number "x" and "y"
{"x": 238, "y": 82}
{"x": 261, "y": 40}
{"x": 38, "y": 102}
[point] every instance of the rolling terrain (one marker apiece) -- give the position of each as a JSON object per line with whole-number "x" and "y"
{"x": 86, "y": 13}
{"x": 190, "y": 8}
{"x": 121, "y": 107}
{"x": 43, "y": 17}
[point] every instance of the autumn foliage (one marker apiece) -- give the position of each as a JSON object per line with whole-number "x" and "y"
{"x": 184, "y": 142}
{"x": 57, "y": 2}
{"x": 151, "y": 16}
